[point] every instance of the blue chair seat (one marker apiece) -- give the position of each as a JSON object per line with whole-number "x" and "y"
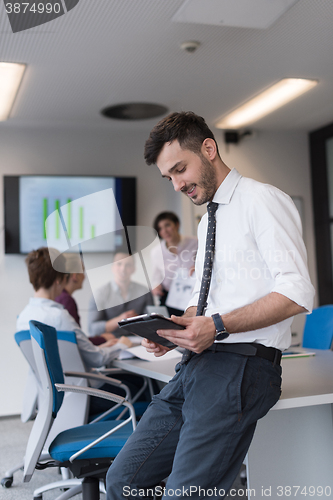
{"x": 70, "y": 441}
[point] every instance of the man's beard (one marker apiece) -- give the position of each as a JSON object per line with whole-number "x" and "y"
{"x": 207, "y": 182}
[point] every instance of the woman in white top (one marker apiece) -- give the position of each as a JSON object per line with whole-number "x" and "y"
{"x": 178, "y": 255}
{"x": 48, "y": 284}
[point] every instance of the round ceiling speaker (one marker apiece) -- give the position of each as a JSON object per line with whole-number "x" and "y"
{"x": 134, "y": 111}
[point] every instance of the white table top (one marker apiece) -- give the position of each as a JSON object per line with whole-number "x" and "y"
{"x": 307, "y": 381}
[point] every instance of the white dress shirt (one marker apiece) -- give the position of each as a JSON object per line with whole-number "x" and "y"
{"x": 259, "y": 249}
{"x": 53, "y": 314}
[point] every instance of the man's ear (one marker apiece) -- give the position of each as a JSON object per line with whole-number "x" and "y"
{"x": 209, "y": 148}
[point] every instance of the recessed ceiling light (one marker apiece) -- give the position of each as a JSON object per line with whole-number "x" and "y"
{"x": 269, "y": 100}
{"x": 11, "y": 75}
{"x": 134, "y": 111}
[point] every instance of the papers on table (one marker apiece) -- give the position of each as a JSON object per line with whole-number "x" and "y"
{"x": 141, "y": 353}
{"x": 180, "y": 291}
{"x": 297, "y": 354}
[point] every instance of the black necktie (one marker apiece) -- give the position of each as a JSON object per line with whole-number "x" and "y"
{"x": 207, "y": 270}
{"x": 209, "y": 257}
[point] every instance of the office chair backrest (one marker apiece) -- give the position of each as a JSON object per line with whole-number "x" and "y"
{"x": 318, "y": 328}
{"x": 32, "y": 388}
{"x": 50, "y": 400}
{"x": 107, "y": 438}
{"x": 75, "y": 410}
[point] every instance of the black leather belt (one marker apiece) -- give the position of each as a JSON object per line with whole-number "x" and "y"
{"x": 249, "y": 349}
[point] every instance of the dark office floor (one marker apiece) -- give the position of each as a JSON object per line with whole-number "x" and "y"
{"x": 13, "y": 439}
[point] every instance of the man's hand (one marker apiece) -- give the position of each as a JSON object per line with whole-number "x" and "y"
{"x": 126, "y": 315}
{"x": 109, "y": 343}
{"x": 112, "y": 324}
{"x": 108, "y": 336}
{"x": 125, "y": 340}
{"x": 199, "y": 333}
{"x": 157, "y": 349}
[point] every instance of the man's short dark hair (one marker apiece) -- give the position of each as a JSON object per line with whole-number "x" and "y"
{"x": 164, "y": 216}
{"x": 41, "y": 272}
{"x": 189, "y": 129}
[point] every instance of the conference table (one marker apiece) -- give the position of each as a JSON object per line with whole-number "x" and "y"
{"x": 291, "y": 455}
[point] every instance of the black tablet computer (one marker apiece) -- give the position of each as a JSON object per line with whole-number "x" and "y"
{"x": 146, "y": 325}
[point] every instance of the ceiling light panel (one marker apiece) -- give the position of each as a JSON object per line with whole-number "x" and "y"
{"x": 11, "y": 75}
{"x": 268, "y": 101}
{"x": 259, "y": 14}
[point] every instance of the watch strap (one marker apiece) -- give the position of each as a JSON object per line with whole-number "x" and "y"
{"x": 221, "y": 332}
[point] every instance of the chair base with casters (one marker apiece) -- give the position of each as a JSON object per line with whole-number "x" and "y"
{"x": 74, "y": 411}
{"x": 72, "y": 486}
{"x": 88, "y": 450}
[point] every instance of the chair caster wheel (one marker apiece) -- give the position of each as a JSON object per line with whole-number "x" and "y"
{"x": 6, "y": 482}
{"x": 38, "y": 497}
{"x": 243, "y": 477}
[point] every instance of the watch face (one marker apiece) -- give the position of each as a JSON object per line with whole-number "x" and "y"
{"x": 221, "y": 336}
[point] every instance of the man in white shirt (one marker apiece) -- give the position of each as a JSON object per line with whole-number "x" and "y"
{"x": 120, "y": 298}
{"x": 198, "y": 429}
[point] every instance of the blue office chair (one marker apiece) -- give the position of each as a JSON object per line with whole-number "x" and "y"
{"x": 75, "y": 409}
{"x": 318, "y": 328}
{"x": 87, "y": 450}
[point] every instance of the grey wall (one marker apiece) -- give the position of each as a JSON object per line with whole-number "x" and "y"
{"x": 278, "y": 158}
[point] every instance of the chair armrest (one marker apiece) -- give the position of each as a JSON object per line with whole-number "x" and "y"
{"x": 90, "y": 391}
{"x": 105, "y": 395}
{"x": 101, "y": 378}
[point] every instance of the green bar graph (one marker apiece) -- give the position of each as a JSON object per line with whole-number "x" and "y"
{"x": 74, "y": 220}
{"x": 69, "y": 218}
{"x": 45, "y": 214}
{"x": 57, "y": 220}
{"x": 81, "y": 232}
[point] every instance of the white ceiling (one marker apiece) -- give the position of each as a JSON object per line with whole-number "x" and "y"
{"x": 107, "y": 52}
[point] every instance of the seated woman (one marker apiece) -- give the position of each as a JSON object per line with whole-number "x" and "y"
{"x": 178, "y": 255}
{"x": 48, "y": 284}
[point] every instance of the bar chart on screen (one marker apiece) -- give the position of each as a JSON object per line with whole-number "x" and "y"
{"x": 66, "y": 212}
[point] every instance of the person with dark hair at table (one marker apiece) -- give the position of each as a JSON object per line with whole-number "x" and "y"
{"x": 48, "y": 284}
{"x": 252, "y": 278}
{"x": 75, "y": 282}
{"x": 178, "y": 253}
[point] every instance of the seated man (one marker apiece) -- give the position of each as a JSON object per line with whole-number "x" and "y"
{"x": 119, "y": 299}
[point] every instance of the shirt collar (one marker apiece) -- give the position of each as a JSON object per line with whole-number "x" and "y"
{"x": 117, "y": 289}
{"x": 226, "y": 189}
{"x": 40, "y": 300}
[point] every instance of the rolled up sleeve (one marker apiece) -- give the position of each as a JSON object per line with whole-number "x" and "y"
{"x": 277, "y": 229}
